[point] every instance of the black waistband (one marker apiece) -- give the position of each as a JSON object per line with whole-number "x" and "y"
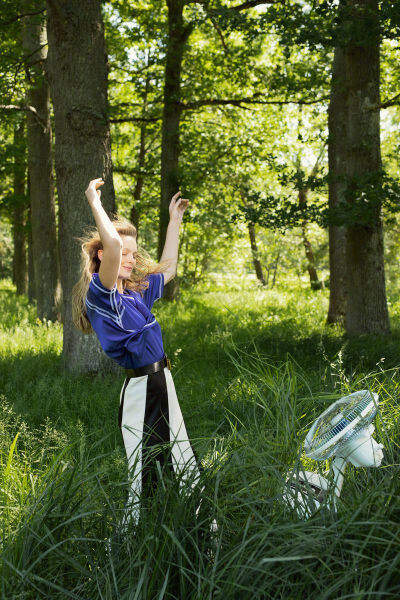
{"x": 149, "y": 369}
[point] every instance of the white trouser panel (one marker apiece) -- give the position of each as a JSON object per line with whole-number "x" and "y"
{"x": 132, "y": 420}
{"x": 183, "y": 459}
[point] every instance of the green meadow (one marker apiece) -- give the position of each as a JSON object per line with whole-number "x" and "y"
{"x": 253, "y": 368}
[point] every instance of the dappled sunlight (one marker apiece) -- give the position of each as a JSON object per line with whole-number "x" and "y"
{"x": 22, "y": 334}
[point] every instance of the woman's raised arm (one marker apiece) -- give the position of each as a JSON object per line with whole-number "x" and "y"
{"x": 110, "y": 256}
{"x": 170, "y": 253}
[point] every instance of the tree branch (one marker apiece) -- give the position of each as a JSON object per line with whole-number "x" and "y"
{"x": 390, "y": 102}
{"x": 251, "y": 4}
{"x": 21, "y": 16}
{"x": 125, "y": 104}
{"x": 23, "y": 60}
{"x": 218, "y": 30}
{"x": 221, "y": 102}
{"x": 126, "y": 171}
{"x": 25, "y": 108}
{"x": 136, "y": 120}
{"x": 240, "y": 101}
{"x": 239, "y": 7}
{"x": 147, "y": 66}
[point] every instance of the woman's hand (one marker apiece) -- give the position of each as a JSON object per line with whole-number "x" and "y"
{"x": 177, "y": 207}
{"x": 93, "y": 192}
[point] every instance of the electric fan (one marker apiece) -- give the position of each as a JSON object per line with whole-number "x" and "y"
{"x": 343, "y": 431}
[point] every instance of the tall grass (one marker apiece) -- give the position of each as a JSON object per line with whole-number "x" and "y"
{"x": 250, "y": 386}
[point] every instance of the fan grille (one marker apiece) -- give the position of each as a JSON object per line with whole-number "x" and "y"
{"x": 339, "y": 423}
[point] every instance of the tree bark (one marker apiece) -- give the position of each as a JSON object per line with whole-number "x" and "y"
{"x": 315, "y": 283}
{"x": 254, "y": 252}
{"x": 31, "y": 268}
{"x": 178, "y": 34}
{"x": 276, "y": 268}
{"x": 19, "y": 229}
{"x": 77, "y": 69}
{"x": 366, "y": 310}
{"x": 253, "y": 242}
{"x": 43, "y": 219}
{"x": 337, "y": 125}
{"x": 312, "y": 271}
{"x": 137, "y": 193}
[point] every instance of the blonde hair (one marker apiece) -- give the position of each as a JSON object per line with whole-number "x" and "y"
{"x": 90, "y": 263}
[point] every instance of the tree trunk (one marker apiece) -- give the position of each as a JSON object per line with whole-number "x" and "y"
{"x": 31, "y": 269}
{"x": 178, "y": 34}
{"x": 337, "y": 124}
{"x": 366, "y": 310}
{"x": 254, "y": 252}
{"x": 137, "y": 193}
{"x": 276, "y": 268}
{"x": 337, "y": 275}
{"x": 19, "y": 235}
{"x": 312, "y": 271}
{"x": 43, "y": 220}
{"x": 77, "y": 68}
{"x": 253, "y": 242}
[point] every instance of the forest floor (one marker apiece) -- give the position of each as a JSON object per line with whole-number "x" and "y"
{"x": 253, "y": 368}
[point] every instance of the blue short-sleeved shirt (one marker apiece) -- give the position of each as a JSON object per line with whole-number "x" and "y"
{"x": 127, "y": 330}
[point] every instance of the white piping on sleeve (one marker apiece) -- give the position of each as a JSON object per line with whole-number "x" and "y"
{"x": 114, "y": 300}
{"x": 103, "y": 289}
{"x": 153, "y": 322}
{"x": 104, "y": 313}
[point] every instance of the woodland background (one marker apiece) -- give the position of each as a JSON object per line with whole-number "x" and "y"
{"x": 279, "y": 120}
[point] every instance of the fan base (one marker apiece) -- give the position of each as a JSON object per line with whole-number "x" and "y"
{"x": 306, "y": 492}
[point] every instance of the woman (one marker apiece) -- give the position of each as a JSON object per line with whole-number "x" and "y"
{"x": 114, "y": 297}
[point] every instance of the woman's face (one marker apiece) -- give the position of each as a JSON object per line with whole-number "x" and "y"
{"x": 128, "y": 258}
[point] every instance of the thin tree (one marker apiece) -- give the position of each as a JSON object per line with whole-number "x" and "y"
{"x": 178, "y": 34}
{"x": 303, "y": 191}
{"x": 40, "y": 164}
{"x": 137, "y": 192}
{"x": 20, "y": 271}
{"x": 253, "y": 242}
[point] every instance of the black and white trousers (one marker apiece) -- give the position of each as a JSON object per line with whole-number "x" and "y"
{"x": 154, "y": 435}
